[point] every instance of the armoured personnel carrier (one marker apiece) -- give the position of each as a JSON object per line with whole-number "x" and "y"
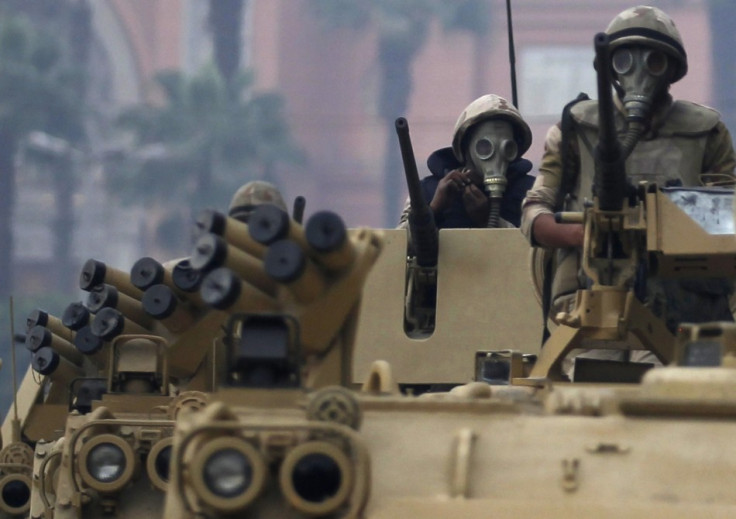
{"x": 653, "y": 443}
{"x": 110, "y": 377}
{"x": 249, "y": 404}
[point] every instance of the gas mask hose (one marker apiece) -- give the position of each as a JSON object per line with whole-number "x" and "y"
{"x": 494, "y": 214}
{"x": 633, "y": 133}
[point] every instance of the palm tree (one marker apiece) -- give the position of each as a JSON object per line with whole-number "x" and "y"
{"x": 722, "y": 16}
{"x": 402, "y": 27}
{"x": 203, "y": 142}
{"x": 225, "y": 22}
{"x": 38, "y": 92}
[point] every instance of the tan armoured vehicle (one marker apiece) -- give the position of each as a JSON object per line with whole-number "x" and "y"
{"x": 150, "y": 346}
{"x": 534, "y": 445}
{"x": 282, "y": 431}
{"x": 270, "y": 403}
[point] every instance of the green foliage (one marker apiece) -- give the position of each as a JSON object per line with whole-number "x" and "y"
{"x": 201, "y": 134}
{"x": 466, "y": 15}
{"x": 354, "y": 14}
{"x": 402, "y": 27}
{"x": 38, "y": 90}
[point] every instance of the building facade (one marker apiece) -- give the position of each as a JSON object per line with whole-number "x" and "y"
{"x": 329, "y": 78}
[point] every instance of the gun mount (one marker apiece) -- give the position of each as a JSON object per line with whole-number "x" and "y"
{"x": 623, "y": 230}
{"x": 423, "y": 247}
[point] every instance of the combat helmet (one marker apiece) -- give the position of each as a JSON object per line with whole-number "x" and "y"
{"x": 252, "y": 194}
{"x": 652, "y": 27}
{"x": 490, "y": 106}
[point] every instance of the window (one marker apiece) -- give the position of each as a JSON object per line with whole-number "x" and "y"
{"x": 553, "y": 75}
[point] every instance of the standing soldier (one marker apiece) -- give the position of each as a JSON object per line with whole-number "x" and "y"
{"x": 664, "y": 141}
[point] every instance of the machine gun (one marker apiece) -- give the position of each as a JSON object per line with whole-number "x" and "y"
{"x": 607, "y": 314}
{"x": 423, "y": 249}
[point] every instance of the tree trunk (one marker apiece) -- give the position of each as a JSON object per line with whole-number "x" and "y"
{"x": 63, "y": 226}
{"x": 225, "y": 20}
{"x": 722, "y": 15}
{"x": 205, "y": 162}
{"x": 7, "y": 205}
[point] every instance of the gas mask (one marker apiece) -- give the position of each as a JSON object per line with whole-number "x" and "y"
{"x": 642, "y": 74}
{"x": 491, "y": 146}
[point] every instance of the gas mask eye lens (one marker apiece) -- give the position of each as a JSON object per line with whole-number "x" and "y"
{"x": 622, "y": 61}
{"x": 484, "y": 148}
{"x": 656, "y": 62}
{"x": 509, "y": 150}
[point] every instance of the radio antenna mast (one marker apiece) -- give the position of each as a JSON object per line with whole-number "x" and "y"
{"x": 512, "y": 55}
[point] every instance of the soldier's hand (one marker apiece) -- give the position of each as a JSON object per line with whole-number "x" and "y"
{"x": 477, "y": 205}
{"x": 448, "y": 187}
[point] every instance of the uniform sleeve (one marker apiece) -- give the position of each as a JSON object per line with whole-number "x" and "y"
{"x": 540, "y": 199}
{"x": 719, "y": 161}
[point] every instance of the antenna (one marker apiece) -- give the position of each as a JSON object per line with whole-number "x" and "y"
{"x": 15, "y": 423}
{"x": 512, "y": 55}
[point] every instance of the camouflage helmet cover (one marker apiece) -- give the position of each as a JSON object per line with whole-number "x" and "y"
{"x": 252, "y": 194}
{"x": 646, "y": 25}
{"x": 490, "y": 106}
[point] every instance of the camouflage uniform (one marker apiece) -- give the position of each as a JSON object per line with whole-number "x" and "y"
{"x": 251, "y": 195}
{"x": 684, "y": 144}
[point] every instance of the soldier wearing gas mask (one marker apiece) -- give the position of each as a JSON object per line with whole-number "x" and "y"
{"x": 664, "y": 141}
{"x": 481, "y": 180}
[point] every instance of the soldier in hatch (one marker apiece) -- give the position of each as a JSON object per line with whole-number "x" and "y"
{"x": 664, "y": 141}
{"x": 482, "y": 179}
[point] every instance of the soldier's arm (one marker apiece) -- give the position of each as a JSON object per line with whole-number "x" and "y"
{"x": 720, "y": 160}
{"x": 537, "y": 216}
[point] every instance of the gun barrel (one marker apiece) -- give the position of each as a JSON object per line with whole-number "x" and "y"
{"x": 286, "y": 262}
{"x": 147, "y": 272}
{"x": 104, "y": 296}
{"x": 224, "y": 290}
{"x": 39, "y": 337}
{"x": 37, "y": 316}
{"x": 610, "y": 172}
{"x": 211, "y": 252}
{"x": 110, "y": 323}
{"x": 48, "y": 362}
{"x": 269, "y": 223}
{"x": 185, "y": 277}
{"x": 424, "y": 238}
{"x": 54, "y": 324}
{"x": 328, "y": 239}
{"x": 160, "y": 302}
{"x": 235, "y": 232}
{"x": 96, "y": 272}
{"x": 87, "y": 342}
{"x": 76, "y": 316}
